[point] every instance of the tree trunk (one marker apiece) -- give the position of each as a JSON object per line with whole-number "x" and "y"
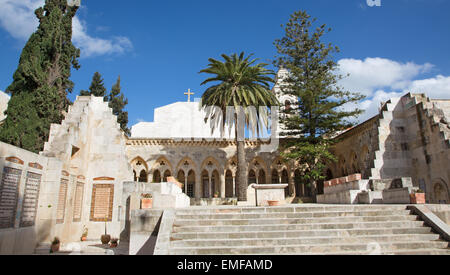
{"x": 241, "y": 171}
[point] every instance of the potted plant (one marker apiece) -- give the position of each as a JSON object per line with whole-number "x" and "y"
{"x": 85, "y": 234}
{"x": 146, "y": 201}
{"x": 216, "y": 195}
{"x": 114, "y": 242}
{"x": 55, "y": 245}
{"x": 105, "y": 238}
{"x": 418, "y": 197}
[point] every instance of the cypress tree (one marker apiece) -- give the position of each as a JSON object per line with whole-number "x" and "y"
{"x": 318, "y": 113}
{"x": 117, "y": 103}
{"x": 41, "y": 81}
{"x": 97, "y": 87}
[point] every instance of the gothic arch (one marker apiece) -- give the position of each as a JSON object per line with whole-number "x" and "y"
{"x": 279, "y": 165}
{"x": 138, "y": 164}
{"x": 232, "y": 165}
{"x": 440, "y": 192}
{"x": 257, "y": 164}
{"x": 210, "y": 164}
{"x": 186, "y": 164}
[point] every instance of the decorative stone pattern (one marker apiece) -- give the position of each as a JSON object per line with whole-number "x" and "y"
{"x": 30, "y": 199}
{"x": 102, "y": 202}
{"x": 9, "y": 193}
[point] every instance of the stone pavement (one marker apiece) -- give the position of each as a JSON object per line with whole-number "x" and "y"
{"x": 89, "y": 247}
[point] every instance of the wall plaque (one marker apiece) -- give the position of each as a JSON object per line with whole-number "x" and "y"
{"x": 30, "y": 199}
{"x": 61, "y": 210}
{"x": 102, "y": 202}
{"x": 9, "y": 194}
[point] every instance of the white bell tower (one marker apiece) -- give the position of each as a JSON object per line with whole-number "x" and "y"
{"x": 286, "y": 101}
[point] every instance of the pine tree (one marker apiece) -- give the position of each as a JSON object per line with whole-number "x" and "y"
{"x": 97, "y": 87}
{"x": 41, "y": 81}
{"x": 319, "y": 112}
{"x": 117, "y": 103}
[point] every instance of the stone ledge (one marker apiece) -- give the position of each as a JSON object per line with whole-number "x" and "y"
{"x": 432, "y": 220}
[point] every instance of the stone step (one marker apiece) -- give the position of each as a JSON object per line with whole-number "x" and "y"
{"x": 312, "y": 226}
{"x": 304, "y": 241}
{"x": 289, "y": 209}
{"x": 291, "y": 215}
{"x": 179, "y": 222}
{"x": 299, "y": 233}
{"x": 390, "y": 247}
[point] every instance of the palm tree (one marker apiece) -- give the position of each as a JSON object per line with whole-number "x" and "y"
{"x": 240, "y": 83}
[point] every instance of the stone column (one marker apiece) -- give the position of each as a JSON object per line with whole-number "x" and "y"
{"x": 222, "y": 186}
{"x": 209, "y": 187}
{"x": 198, "y": 186}
{"x": 291, "y": 187}
{"x": 234, "y": 186}
{"x": 185, "y": 184}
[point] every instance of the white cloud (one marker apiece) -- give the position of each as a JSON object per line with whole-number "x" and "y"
{"x": 377, "y": 73}
{"x": 96, "y": 46}
{"x": 18, "y": 19}
{"x": 437, "y": 87}
{"x": 381, "y": 79}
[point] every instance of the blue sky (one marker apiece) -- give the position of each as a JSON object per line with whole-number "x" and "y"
{"x": 158, "y": 47}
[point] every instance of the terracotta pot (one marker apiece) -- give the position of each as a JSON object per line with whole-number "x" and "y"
{"x": 113, "y": 245}
{"x": 418, "y": 198}
{"x": 274, "y": 203}
{"x": 146, "y": 203}
{"x": 83, "y": 239}
{"x": 105, "y": 239}
{"x": 55, "y": 247}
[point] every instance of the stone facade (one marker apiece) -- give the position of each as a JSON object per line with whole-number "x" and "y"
{"x": 75, "y": 182}
{"x": 409, "y": 138}
{"x": 208, "y": 167}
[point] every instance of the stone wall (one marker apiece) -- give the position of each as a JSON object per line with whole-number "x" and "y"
{"x": 28, "y": 201}
{"x": 409, "y": 138}
{"x": 75, "y": 183}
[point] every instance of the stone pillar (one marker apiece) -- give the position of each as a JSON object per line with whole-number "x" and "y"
{"x": 198, "y": 185}
{"x": 292, "y": 191}
{"x": 234, "y": 186}
{"x": 185, "y": 184}
{"x": 222, "y": 186}
{"x": 209, "y": 187}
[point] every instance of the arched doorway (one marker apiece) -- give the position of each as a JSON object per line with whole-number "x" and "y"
{"x": 262, "y": 177}
{"x": 285, "y": 180}
{"x": 275, "y": 178}
{"x": 205, "y": 184}
{"x": 190, "y": 184}
{"x": 143, "y": 176}
{"x": 251, "y": 177}
{"x": 182, "y": 179}
{"x": 299, "y": 187}
{"x": 440, "y": 193}
{"x": 229, "y": 184}
{"x": 166, "y": 175}
{"x": 215, "y": 183}
{"x": 156, "y": 176}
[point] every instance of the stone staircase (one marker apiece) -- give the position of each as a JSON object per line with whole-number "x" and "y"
{"x": 307, "y": 229}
